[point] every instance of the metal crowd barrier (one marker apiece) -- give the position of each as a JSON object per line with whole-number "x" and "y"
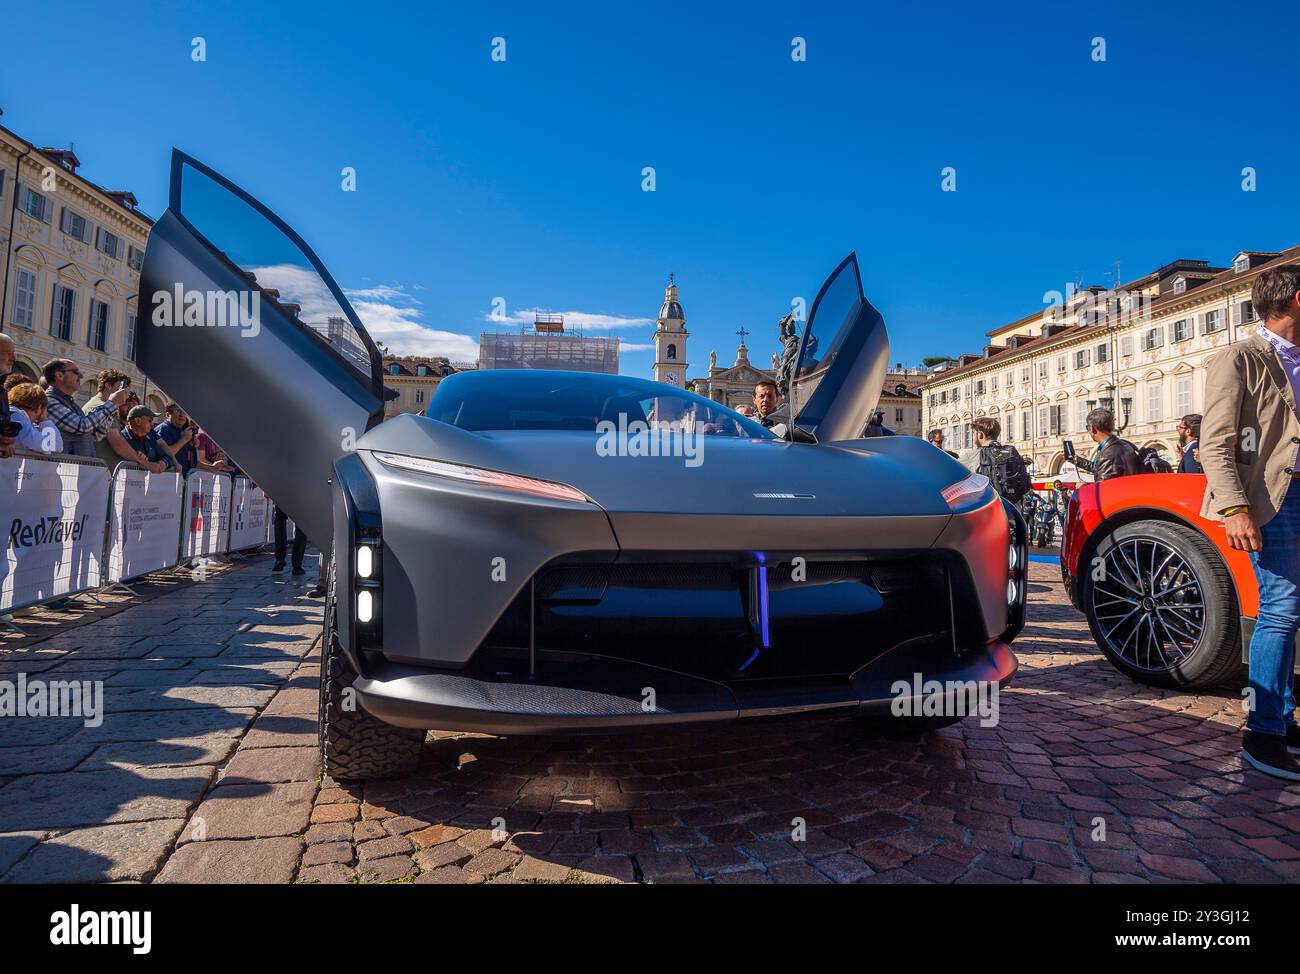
{"x": 70, "y": 527}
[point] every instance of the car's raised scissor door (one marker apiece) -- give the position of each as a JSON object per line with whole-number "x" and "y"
{"x": 843, "y": 357}
{"x": 244, "y": 327}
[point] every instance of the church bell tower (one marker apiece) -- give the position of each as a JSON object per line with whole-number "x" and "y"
{"x": 670, "y": 340}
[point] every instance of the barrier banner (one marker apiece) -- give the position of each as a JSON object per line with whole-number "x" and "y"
{"x": 52, "y": 513}
{"x": 248, "y": 515}
{"x": 144, "y": 521}
{"x": 206, "y": 512}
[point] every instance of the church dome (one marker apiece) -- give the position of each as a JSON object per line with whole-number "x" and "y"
{"x": 672, "y": 308}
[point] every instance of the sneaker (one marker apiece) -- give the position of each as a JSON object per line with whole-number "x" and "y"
{"x": 317, "y": 592}
{"x": 1268, "y": 753}
{"x": 1293, "y": 739}
{"x": 278, "y": 566}
{"x": 299, "y": 570}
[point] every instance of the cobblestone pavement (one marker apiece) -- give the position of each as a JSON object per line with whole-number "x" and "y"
{"x": 1087, "y": 777}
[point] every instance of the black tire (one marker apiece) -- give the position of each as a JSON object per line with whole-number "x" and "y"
{"x": 354, "y": 745}
{"x": 1163, "y": 608}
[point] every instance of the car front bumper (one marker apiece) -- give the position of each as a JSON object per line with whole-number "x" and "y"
{"x": 601, "y": 694}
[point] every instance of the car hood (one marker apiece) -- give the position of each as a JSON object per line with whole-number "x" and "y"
{"x": 887, "y": 476}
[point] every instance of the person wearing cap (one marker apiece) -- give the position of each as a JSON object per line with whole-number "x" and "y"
{"x": 143, "y": 438}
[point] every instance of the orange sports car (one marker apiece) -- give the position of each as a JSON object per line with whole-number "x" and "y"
{"x": 1167, "y": 600}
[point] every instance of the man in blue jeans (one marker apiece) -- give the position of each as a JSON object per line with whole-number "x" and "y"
{"x": 1250, "y": 443}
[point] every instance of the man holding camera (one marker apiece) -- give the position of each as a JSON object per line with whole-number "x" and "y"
{"x": 1250, "y": 435}
{"x": 1114, "y": 457}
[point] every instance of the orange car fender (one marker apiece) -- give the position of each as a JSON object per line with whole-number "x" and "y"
{"x": 1174, "y": 497}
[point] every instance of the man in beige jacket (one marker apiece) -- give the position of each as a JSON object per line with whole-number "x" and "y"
{"x": 1250, "y": 437}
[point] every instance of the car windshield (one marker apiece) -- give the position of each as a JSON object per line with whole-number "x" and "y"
{"x": 506, "y": 399}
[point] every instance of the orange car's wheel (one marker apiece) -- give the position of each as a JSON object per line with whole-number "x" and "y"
{"x": 1160, "y": 603}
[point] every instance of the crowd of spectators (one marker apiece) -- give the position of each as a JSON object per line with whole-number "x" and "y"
{"x": 112, "y": 425}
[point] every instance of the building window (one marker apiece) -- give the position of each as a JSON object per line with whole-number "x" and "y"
{"x": 24, "y": 298}
{"x": 1126, "y": 345}
{"x": 1025, "y": 418}
{"x": 1183, "y": 397}
{"x": 898, "y": 417}
{"x": 34, "y": 204}
{"x": 107, "y": 243}
{"x": 419, "y": 396}
{"x": 394, "y": 369}
{"x": 75, "y": 225}
{"x": 1081, "y": 359}
{"x": 993, "y": 383}
{"x": 1241, "y": 264}
{"x": 1153, "y": 338}
{"x": 1024, "y": 375}
{"x": 61, "y": 312}
{"x": 1085, "y": 408}
{"x": 1010, "y": 423}
{"x": 1011, "y": 378}
{"x": 128, "y": 343}
{"x": 1213, "y": 322}
{"x": 1103, "y": 353}
{"x": 1183, "y": 329}
{"x": 672, "y": 350}
{"x": 421, "y": 370}
{"x": 1060, "y": 363}
{"x": 979, "y": 388}
{"x": 1155, "y": 402}
{"x": 134, "y": 257}
{"x": 97, "y": 329}
{"x": 1180, "y": 285}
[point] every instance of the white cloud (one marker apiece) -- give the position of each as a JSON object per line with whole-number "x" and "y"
{"x": 584, "y": 320}
{"x": 388, "y": 312}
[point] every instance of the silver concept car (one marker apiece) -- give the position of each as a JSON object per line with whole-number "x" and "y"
{"x": 552, "y": 551}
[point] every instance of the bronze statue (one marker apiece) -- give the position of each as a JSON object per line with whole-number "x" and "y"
{"x": 789, "y": 331}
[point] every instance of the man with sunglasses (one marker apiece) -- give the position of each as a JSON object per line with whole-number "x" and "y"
{"x": 80, "y": 431}
{"x": 1189, "y": 441}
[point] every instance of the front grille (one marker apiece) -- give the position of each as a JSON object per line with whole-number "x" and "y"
{"x": 825, "y": 618}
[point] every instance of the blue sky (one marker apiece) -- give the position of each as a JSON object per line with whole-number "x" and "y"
{"x": 522, "y": 179}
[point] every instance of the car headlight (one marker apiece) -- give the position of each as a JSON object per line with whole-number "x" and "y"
{"x": 484, "y": 477}
{"x": 964, "y": 492}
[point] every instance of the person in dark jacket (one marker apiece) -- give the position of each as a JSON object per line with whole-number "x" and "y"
{"x": 1114, "y": 457}
{"x": 1189, "y": 437}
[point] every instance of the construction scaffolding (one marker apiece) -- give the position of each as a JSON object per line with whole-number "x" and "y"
{"x": 548, "y": 345}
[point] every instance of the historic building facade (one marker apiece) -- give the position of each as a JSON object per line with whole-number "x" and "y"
{"x": 71, "y": 266}
{"x": 414, "y": 379}
{"x": 732, "y": 385}
{"x": 1140, "y": 350}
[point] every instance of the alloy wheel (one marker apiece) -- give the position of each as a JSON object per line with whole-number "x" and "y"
{"x": 1149, "y": 603}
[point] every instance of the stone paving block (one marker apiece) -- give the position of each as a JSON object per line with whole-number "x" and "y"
{"x": 15, "y": 845}
{"x": 253, "y": 811}
{"x": 130, "y": 852}
{"x": 264, "y": 861}
{"x": 273, "y": 764}
{"x": 204, "y": 749}
{"x": 67, "y": 800}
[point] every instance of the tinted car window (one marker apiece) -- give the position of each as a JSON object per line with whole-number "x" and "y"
{"x": 540, "y": 400}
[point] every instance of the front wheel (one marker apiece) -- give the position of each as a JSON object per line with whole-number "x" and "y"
{"x": 354, "y": 745}
{"x": 1161, "y": 605}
